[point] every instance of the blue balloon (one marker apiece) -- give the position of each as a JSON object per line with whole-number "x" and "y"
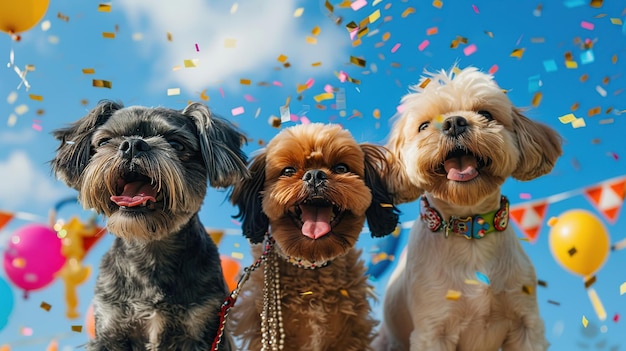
{"x": 6, "y": 302}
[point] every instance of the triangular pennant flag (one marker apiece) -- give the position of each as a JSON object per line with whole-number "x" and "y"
{"x": 529, "y": 217}
{"x": 608, "y": 198}
{"x": 5, "y": 217}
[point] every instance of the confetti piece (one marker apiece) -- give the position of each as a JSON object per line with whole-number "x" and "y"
{"x": 601, "y": 91}
{"x": 329, "y": 6}
{"x": 204, "y": 96}
{"x": 12, "y": 97}
{"x": 616, "y": 318}
{"x": 622, "y": 288}
{"x": 77, "y": 328}
{"x": 475, "y": 8}
{"x": 594, "y": 111}
{"x": 518, "y": 53}
{"x": 358, "y": 4}
{"x": 306, "y": 293}
{"x": 36, "y": 127}
{"x": 237, "y": 255}
{"x": 537, "y": 99}
{"x": 395, "y": 48}
{"x": 407, "y": 11}
{"x": 298, "y": 12}
{"x": 230, "y": 43}
{"x": 493, "y": 69}
{"x": 470, "y": 49}
{"x": 344, "y": 292}
{"x": 191, "y": 63}
{"x": 197, "y": 48}
{"x": 432, "y": 31}
{"x": 274, "y": 121}
{"x": 243, "y": 81}
{"x": 104, "y": 7}
{"x": 26, "y": 331}
{"x": 471, "y": 282}
{"x": 616, "y": 21}
{"x": 596, "y": 3}
{"x": 316, "y": 64}
{"x": 45, "y": 25}
{"x": 285, "y": 114}
{"x": 237, "y": 111}
{"x": 586, "y": 25}
{"x": 438, "y": 4}
{"x": 88, "y": 71}
{"x": 597, "y": 304}
{"x": 374, "y": 16}
{"x": 571, "y": 64}
{"x": 21, "y": 109}
{"x": 249, "y": 98}
{"x": 578, "y": 123}
{"x": 173, "y": 91}
{"x": 324, "y": 96}
{"x": 282, "y": 58}
{"x": 11, "y": 120}
{"x": 234, "y": 8}
{"x": 423, "y": 45}
{"x": 99, "y": 83}
{"x": 376, "y": 113}
{"x": 63, "y": 17}
{"x": 554, "y": 302}
{"x": 587, "y": 57}
{"x": 177, "y": 67}
{"x": 453, "y": 295}
{"x": 549, "y": 65}
{"x": 527, "y": 289}
{"x": 574, "y": 3}
{"x": 35, "y": 97}
{"x": 482, "y": 278}
{"x": 537, "y": 40}
{"x": 137, "y": 36}
{"x": 108, "y": 35}
{"x": 45, "y": 306}
{"x": 311, "y": 40}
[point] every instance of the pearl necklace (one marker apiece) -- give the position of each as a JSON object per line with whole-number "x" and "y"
{"x": 272, "y": 331}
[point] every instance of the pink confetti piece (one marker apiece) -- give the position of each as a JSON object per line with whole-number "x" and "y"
{"x": 249, "y": 98}
{"x": 328, "y": 88}
{"x": 343, "y": 76}
{"x": 294, "y": 117}
{"x": 395, "y": 48}
{"x": 197, "y": 48}
{"x": 423, "y": 45}
{"x": 616, "y": 318}
{"x": 614, "y": 155}
{"x": 587, "y": 25}
{"x": 221, "y": 91}
{"x": 305, "y": 120}
{"x": 277, "y": 83}
{"x": 309, "y": 83}
{"x": 237, "y": 111}
{"x": 358, "y": 4}
{"x": 37, "y": 127}
{"x": 470, "y": 49}
{"x": 26, "y": 331}
{"x": 493, "y": 69}
{"x": 475, "y": 9}
{"x": 400, "y": 108}
{"x": 525, "y": 196}
{"x": 353, "y": 33}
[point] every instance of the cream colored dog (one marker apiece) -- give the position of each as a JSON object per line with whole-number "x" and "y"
{"x": 467, "y": 284}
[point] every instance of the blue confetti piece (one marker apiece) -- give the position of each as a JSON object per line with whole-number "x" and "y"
{"x": 573, "y": 3}
{"x": 549, "y": 65}
{"x": 587, "y": 57}
{"x": 482, "y": 277}
{"x": 534, "y": 83}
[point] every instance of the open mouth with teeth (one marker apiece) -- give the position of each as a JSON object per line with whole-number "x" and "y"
{"x": 316, "y": 217}
{"x": 136, "y": 190}
{"x": 461, "y": 165}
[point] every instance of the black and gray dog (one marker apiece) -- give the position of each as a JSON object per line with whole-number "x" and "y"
{"x": 160, "y": 285}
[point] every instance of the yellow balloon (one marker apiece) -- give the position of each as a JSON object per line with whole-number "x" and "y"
{"x": 17, "y": 16}
{"x": 579, "y": 242}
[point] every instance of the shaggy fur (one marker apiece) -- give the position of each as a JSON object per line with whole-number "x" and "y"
{"x": 308, "y": 169}
{"x": 456, "y": 142}
{"x": 160, "y": 286}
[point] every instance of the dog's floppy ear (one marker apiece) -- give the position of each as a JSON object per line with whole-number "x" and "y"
{"x": 221, "y": 146}
{"x": 401, "y": 188}
{"x": 246, "y": 195}
{"x": 75, "y": 150}
{"x": 382, "y": 215}
{"x": 539, "y": 146}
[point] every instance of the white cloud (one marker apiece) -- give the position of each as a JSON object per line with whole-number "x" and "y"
{"x": 24, "y": 187}
{"x": 263, "y": 30}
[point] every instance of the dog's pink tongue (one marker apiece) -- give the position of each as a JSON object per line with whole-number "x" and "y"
{"x": 461, "y": 169}
{"x": 135, "y": 194}
{"x": 316, "y": 221}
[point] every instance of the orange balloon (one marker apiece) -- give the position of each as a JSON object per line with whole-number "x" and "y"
{"x": 90, "y": 322}
{"x": 230, "y": 268}
{"x": 18, "y": 16}
{"x": 579, "y": 242}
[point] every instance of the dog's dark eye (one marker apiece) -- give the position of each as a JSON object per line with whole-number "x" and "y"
{"x": 176, "y": 145}
{"x": 341, "y": 168}
{"x": 486, "y": 114}
{"x": 288, "y": 171}
{"x": 103, "y": 141}
{"x": 423, "y": 126}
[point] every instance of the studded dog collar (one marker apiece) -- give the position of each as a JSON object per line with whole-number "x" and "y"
{"x": 473, "y": 227}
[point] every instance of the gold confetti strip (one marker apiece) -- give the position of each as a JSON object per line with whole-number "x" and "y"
{"x": 177, "y": 67}
{"x": 77, "y": 328}
{"x": 374, "y": 16}
{"x": 316, "y": 64}
{"x": 606, "y": 80}
{"x": 574, "y": 106}
{"x": 408, "y": 11}
{"x": 571, "y": 64}
{"x": 594, "y": 111}
{"x": 622, "y": 288}
{"x": 287, "y": 101}
{"x": 104, "y": 7}
{"x": 88, "y": 71}
{"x": 518, "y": 53}
{"x": 438, "y": 4}
{"x": 108, "y": 35}
{"x": 616, "y": 21}
{"x": 45, "y": 306}
{"x": 585, "y": 321}
{"x": 237, "y": 255}
{"x": 579, "y": 123}
{"x": 362, "y": 32}
{"x": 357, "y": 61}
{"x": 471, "y": 282}
{"x": 63, "y": 17}
{"x": 376, "y": 113}
{"x": 35, "y": 97}
{"x": 316, "y": 30}
{"x": 282, "y": 58}
{"x": 244, "y": 81}
{"x": 100, "y": 83}
{"x": 537, "y": 99}
{"x": 527, "y": 289}
{"x": 173, "y": 91}
{"x": 301, "y": 87}
{"x": 351, "y": 26}
{"x": 204, "y": 96}
{"x": 608, "y": 110}
{"x": 323, "y": 96}
{"x": 306, "y": 293}
{"x": 589, "y": 282}
{"x": 169, "y": 36}
{"x": 453, "y": 295}
{"x": 329, "y": 6}
{"x": 597, "y": 304}
{"x": 344, "y": 292}
{"x": 424, "y": 83}
{"x": 584, "y": 77}
{"x": 596, "y": 3}
{"x": 311, "y": 40}
{"x": 191, "y": 63}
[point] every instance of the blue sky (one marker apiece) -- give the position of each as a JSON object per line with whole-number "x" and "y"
{"x": 231, "y": 41}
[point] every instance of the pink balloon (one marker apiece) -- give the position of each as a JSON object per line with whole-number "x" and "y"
{"x": 33, "y": 256}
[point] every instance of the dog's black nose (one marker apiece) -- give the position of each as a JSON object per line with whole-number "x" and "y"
{"x": 454, "y": 126}
{"x": 133, "y": 147}
{"x": 314, "y": 177}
